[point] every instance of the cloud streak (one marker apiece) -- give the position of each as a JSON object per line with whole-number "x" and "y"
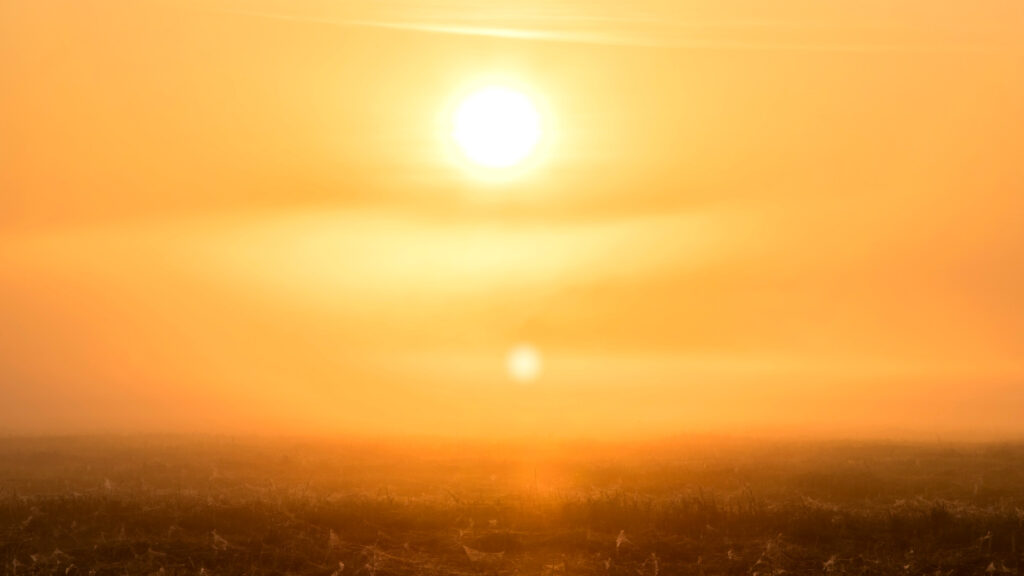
{"x": 652, "y": 33}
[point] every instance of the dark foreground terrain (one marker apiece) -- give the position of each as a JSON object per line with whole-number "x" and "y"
{"x": 220, "y": 506}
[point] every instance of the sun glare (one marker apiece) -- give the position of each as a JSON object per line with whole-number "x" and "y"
{"x": 496, "y": 127}
{"x": 524, "y": 363}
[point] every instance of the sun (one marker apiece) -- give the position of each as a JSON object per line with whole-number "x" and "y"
{"x": 496, "y": 127}
{"x": 524, "y": 363}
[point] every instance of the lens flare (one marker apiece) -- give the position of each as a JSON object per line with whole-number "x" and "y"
{"x": 524, "y": 363}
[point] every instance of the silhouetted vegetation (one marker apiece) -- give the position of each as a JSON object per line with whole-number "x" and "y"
{"x": 217, "y": 506}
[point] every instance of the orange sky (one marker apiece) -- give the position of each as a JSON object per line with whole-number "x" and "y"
{"x": 222, "y": 215}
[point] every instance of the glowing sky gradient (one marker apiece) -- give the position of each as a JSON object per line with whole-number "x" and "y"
{"x": 778, "y": 215}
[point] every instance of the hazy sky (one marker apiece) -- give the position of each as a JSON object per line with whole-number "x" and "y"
{"x": 246, "y": 216}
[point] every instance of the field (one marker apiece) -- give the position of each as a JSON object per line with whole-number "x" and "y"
{"x": 220, "y": 506}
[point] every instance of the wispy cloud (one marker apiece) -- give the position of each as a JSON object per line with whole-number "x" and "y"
{"x": 644, "y": 30}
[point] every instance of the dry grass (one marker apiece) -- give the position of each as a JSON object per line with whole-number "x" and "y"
{"x": 218, "y": 507}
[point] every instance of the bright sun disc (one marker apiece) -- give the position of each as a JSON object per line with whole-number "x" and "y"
{"x": 496, "y": 127}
